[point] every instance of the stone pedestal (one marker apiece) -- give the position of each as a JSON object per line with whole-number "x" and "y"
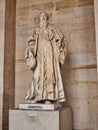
{"x": 40, "y": 120}
{"x": 40, "y": 106}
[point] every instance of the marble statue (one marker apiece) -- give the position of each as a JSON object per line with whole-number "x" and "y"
{"x": 45, "y": 54}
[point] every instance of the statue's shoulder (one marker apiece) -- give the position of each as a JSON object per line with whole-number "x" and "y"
{"x": 50, "y": 25}
{"x": 56, "y": 30}
{"x": 35, "y": 30}
{"x": 53, "y": 27}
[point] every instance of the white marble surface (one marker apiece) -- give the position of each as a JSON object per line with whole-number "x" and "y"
{"x": 40, "y": 120}
{"x": 39, "y": 106}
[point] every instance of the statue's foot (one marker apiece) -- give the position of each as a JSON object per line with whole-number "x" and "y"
{"x": 47, "y": 102}
{"x": 31, "y": 101}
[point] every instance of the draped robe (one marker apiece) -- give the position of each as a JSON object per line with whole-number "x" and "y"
{"x": 47, "y": 49}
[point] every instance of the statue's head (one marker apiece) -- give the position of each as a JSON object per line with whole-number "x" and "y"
{"x": 43, "y": 17}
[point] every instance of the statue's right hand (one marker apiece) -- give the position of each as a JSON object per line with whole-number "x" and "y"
{"x": 29, "y": 48}
{"x": 31, "y": 62}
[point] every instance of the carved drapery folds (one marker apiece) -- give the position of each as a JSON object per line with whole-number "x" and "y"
{"x": 45, "y": 54}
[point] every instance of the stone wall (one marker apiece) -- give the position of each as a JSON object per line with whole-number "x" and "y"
{"x": 76, "y": 20}
{"x": 9, "y": 60}
{"x": 7, "y": 63}
{"x": 96, "y": 30}
{"x": 2, "y": 21}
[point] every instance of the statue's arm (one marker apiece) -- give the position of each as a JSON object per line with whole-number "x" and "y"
{"x": 61, "y": 44}
{"x": 31, "y": 44}
{"x": 63, "y": 52}
{"x": 29, "y": 53}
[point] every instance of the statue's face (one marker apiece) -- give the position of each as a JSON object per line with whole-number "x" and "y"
{"x": 43, "y": 17}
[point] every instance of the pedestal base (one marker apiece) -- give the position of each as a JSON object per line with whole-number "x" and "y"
{"x": 40, "y": 120}
{"x": 39, "y": 106}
